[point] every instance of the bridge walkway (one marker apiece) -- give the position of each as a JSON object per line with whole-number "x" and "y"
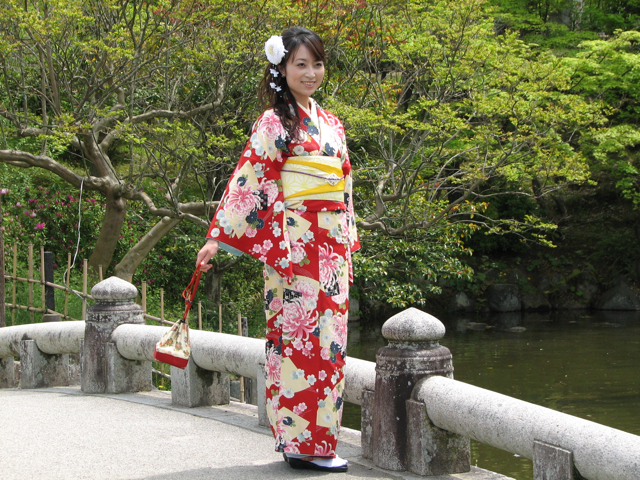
{"x": 60, "y": 433}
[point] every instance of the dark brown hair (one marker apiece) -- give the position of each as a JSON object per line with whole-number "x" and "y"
{"x": 292, "y": 38}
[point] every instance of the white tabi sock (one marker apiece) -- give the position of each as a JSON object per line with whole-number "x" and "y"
{"x": 321, "y": 462}
{"x": 330, "y": 462}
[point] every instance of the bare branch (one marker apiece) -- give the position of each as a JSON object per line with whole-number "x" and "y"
{"x": 27, "y": 160}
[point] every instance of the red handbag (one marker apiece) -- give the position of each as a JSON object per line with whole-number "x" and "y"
{"x": 174, "y": 347}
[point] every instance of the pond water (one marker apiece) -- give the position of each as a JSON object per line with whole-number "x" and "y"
{"x": 585, "y": 364}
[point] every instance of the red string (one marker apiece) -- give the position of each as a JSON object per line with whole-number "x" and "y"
{"x": 189, "y": 293}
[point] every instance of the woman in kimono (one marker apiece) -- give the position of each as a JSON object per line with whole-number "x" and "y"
{"x": 288, "y": 203}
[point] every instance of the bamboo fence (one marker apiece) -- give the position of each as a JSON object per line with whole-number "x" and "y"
{"x": 40, "y": 307}
{"x": 33, "y": 283}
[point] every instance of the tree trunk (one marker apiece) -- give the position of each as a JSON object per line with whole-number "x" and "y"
{"x": 537, "y": 191}
{"x": 109, "y": 234}
{"x": 636, "y": 230}
{"x": 562, "y": 207}
{"x": 130, "y": 262}
{"x": 213, "y": 279}
{"x": 3, "y": 321}
{"x": 213, "y": 285}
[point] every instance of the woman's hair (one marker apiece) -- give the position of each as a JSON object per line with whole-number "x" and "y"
{"x": 292, "y": 38}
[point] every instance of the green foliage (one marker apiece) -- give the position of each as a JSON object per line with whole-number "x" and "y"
{"x": 562, "y": 24}
{"x": 402, "y": 271}
{"x": 508, "y": 206}
{"x": 609, "y": 72}
{"x": 451, "y": 114}
{"x": 40, "y": 210}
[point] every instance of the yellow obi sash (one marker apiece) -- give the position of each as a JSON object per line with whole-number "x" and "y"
{"x": 313, "y": 177}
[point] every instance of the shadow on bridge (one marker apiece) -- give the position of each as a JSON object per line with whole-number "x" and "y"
{"x": 59, "y": 433}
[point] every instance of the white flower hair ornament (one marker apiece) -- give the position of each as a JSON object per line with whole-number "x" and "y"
{"x": 274, "y": 49}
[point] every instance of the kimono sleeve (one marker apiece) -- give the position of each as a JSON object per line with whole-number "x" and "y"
{"x": 251, "y": 215}
{"x": 348, "y": 200}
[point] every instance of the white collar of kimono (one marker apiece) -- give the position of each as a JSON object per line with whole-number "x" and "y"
{"x": 313, "y": 112}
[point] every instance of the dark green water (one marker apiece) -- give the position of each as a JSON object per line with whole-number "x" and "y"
{"x": 583, "y": 364}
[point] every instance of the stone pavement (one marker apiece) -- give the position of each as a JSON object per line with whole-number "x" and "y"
{"x": 59, "y": 434}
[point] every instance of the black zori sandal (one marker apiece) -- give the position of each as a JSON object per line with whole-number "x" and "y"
{"x": 300, "y": 463}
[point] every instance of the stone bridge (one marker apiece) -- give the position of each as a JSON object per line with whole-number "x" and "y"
{"x": 416, "y": 420}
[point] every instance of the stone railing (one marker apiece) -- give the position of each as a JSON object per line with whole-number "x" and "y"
{"x": 415, "y": 417}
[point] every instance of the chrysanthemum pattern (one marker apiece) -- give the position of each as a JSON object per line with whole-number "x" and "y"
{"x": 309, "y": 334}
{"x": 306, "y": 246}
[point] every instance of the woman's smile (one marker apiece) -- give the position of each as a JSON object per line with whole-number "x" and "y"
{"x": 303, "y": 74}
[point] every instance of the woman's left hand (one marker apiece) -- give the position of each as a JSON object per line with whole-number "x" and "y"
{"x": 206, "y": 253}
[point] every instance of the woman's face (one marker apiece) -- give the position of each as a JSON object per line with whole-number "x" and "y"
{"x": 304, "y": 75}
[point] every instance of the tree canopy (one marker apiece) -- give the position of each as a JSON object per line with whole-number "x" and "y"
{"x": 151, "y": 102}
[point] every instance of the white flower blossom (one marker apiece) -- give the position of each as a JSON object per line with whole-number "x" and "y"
{"x": 283, "y": 262}
{"x": 256, "y": 145}
{"x": 274, "y": 49}
{"x": 274, "y": 72}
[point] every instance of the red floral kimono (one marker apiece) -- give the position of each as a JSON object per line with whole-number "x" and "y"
{"x": 288, "y": 203}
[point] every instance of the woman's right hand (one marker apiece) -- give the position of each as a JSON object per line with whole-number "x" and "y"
{"x": 206, "y": 253}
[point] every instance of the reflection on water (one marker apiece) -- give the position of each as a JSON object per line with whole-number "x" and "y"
{"x": 585, "y": 364}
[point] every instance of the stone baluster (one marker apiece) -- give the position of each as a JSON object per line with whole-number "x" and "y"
{"x": 104, "y": 370}
{"x": 400, "y": 440}
{"x": 7, "y": 373}
{"x": 197, "y": 387}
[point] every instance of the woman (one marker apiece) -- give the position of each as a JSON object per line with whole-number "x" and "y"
{"x": 288, "y": 203}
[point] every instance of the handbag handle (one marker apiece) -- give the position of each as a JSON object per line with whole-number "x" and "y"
{"x": 189, "y": 293}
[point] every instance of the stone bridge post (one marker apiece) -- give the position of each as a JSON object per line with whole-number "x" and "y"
{"x": 403, "y": 438}
{"x": 104, "y": 370}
